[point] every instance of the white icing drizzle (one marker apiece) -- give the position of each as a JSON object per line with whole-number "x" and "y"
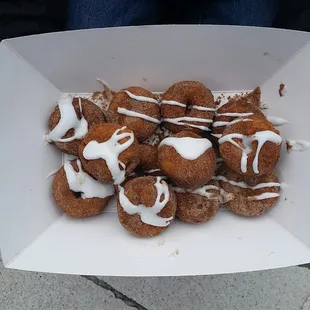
{"x": 69, "y": 120}
{"x": 148, "y": 215}
{"x": 298, "y": 145}
{"x": 245, "y": 185}
{"x": 264, "y": 196}
{"x": 183, "y": 105}
{"x": 141, "y": 98}
{"x": 173, "y": 102}
{"x": 51, "y": 174}
{"x": 180, "y": 121}
{"x": 219, "y": 124}
{"x": 152, "y": 171}
{"x": 109, "y": 151}
{"x": 277, "y": 121}
{"x": 234, "y": 114}
{"x": 81, "y": 182}
{"x": 217, "y": 135}
{"x": 202, "y": 191}
{"x": 137, "y": 114}
{"x": 261, "y": 137}
{"x": 188, "y": 148}
{"x": 200, "y": 108}
{"x": 238, "y": 120}
{"x": 225, "y": 196}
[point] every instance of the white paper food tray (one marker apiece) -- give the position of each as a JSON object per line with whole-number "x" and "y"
{"x": 36, "y": 70}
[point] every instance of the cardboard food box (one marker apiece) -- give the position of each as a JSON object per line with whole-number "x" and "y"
{"x": 36, "y": 70}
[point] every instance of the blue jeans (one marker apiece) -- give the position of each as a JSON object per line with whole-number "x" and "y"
{"x": 110, "y": 13}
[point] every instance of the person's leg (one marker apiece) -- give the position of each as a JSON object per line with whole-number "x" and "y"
{"x": 111, "y": 13}
{"x": 232, "y": 12}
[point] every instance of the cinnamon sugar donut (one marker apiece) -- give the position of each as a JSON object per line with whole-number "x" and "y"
{"x": 77, "y": 194}
{"x": 187, "y": 159}
{"x": 253, "y": 195}
{"x": 188, "y": 105}
{"x": 239, "y": 106}
{"x": 109, "y": 153}
{"x": 70, "y": 121}
{"x": 146, "y": 206}
{"x": 199, "y": 205}
{"x": 251, "y": 146}
{"x": 148, "y": 160}
{"x": 136, "y": 108}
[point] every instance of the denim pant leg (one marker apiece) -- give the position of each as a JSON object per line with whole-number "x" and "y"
{"x": 241, "y": 12}
{"x": 85, "y": 14}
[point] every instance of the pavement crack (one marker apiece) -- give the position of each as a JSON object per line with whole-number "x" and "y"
{"x": 306, "y": 304}
{"x": 117, "y": 294}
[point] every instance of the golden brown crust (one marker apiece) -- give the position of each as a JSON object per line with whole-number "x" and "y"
{"x": 148, "y": 157}
{"x": 269, "y": 154}
{"x": 142, "y": 191}
{"x": 69, "y": 202}
{"x": 92, "y": 114}
{"x": 141, "y": 128}
{"x": 194, "y": 208}
{"x": 98, "y": 167}
{"x": 189, "y": 93}
{"x": 241, "y": 204}
{"x": 183, "y": 172}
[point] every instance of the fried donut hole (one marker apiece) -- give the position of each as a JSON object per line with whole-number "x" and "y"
{"x": 141, "y": 127}
{"x": 187, "y": 105}
{"x": 71, "y": 203}
{"x": 251, "y": 147}
{"x": 253, "y": 196}
{"x": 148, "y": 160}
{"x": 143, "y": 194}
{"x": 236, "y": 107}
{"x": 92, "y": 114}
{"x": 200, "y": 205}
{"x": 185, "y": 173}
{"x": 128, "y": 158}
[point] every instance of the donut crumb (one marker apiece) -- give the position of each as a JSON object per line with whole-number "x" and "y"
{"x": 289, "y": 145}
{"x": 282, "y": 90}
{"x": 175, "y": 253}
{"x": 160, "y": 242}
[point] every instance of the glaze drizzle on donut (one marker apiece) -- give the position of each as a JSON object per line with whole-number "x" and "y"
{"x": 181, "y": 120}
{"x": 81, "y": 182}
{"x": 183, "y": 105}
{"x": 202, "y": 191}
{"x": 235, "y": 121}
{"x": 137, "y": 114}
{"x": 149, "y": 215}
{"x": 264, "y": 196}
{"x": 141, "y": 98}
{"x": 109, "y": 151}
{"x": 68, "y": 120}
{"x": 245, "y": 185}
{"x": 234, "y": 114}
{"x": 188, "y": 148}
{"x": 261, "y": 137}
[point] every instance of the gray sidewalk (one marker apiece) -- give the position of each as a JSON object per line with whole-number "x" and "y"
{"x": 281, "y": 289}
